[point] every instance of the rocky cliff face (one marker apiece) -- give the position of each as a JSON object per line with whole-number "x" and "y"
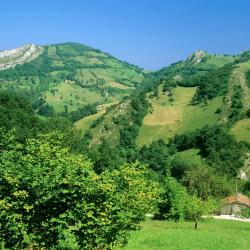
{"x": 197, "y": 56}
{"x": 26, "y": 53}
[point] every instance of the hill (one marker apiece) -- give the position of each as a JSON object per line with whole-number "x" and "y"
{"x": 67, "y": 76}
{"x": 202, "y": 90}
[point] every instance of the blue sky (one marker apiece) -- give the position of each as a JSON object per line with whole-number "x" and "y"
{"x": 149, "y": 33}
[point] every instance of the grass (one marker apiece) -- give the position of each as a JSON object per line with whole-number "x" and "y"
{"x": 84, "y": 124}
{"x": 219, "y": 60}
{"x": 72, "y": 95}
{"x": 245, "y": 66}
{"x": 241, "y": 130}
{"x": 211, "y": 235}
{"x": 190, "y": 156}
{"x": 170, "y": 118}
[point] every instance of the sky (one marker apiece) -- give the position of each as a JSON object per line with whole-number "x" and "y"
{"x": 148, "y": 33}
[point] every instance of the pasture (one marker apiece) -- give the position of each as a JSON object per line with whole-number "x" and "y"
{"x": 170, "y": 117}
{"x": 241, "y": 130}
{"x": 211, "y": 234}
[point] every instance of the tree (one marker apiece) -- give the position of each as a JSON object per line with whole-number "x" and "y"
{"x": 51, "y": 198}
{"x": 204, "y": 182}
{"x": 172, "y": 202}
{"x": 195, "y": 208}
{"x": 17, "y": 113}
{"x": 248, "y": 113}
{"x": 157, "y": 156}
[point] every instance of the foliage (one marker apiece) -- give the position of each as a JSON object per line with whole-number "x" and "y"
{"x": 204, "y": 182}
{"x": 172, "y": 200}
{"x": 157, "y": 156}
{"x": 236, "y": 107}
{"x": 212, "y": 84}
{"x": 217, "y": 145}
{"x": 248, "y": 78}
{"x": 80, "y": 113}
{"x": 179, "y": 166}
{"x": 195, "y": 208}
{"x": 52, "y": 198}
{"x": 17, "y": 113}
{"x": 105, "y": 157}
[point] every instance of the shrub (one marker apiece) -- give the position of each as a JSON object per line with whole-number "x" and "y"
{"x": 50, "y": 198}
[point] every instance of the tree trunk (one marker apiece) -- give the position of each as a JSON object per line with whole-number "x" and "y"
{"x": 196, "y": 224}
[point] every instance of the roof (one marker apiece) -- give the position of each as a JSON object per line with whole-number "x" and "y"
{"x": 238, "y": 198}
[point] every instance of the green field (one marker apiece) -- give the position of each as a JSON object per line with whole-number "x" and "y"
{"x": 84, "y": 124}
{"x": 211, "y": 235}
{"x": 71, "y": 95}
{"x": 170, "y": 118}
{"x": 190, "y": 156}
{"x": 241, "y": 130}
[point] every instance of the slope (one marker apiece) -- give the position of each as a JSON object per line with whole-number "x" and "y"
{"x": 71, "y": 75}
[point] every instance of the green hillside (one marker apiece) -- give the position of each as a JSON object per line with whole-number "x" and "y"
{"x": 72, "y": 75}
{"x": 175, "y": 115}
{"x": 201, "y": 90}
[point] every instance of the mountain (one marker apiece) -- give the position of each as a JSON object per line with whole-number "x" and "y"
{"x": 202, "y": 90}
{"x": 13, "y": 57}
{"x": 67, "y": 76}
{"x": 71, "y": 78}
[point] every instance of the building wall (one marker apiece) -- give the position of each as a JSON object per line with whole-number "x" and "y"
{"x": 232, "y": 209}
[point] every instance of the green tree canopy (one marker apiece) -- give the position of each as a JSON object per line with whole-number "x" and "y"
{"x": 50, "y": 197}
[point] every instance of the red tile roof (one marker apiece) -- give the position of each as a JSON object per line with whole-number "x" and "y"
{"x": 238, "y": 198}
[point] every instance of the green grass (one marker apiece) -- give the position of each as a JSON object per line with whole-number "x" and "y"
{"x": 219, "y": 60}
{"x": 190, "y": 156}
{"x": 241, "y": 130}
{"x": 170, "y": 118}
{"x": 84, "y": 124}
{"x": 211, "y": 235}
{"x": 245, "y": 66}
{"x": 72, "y": 95}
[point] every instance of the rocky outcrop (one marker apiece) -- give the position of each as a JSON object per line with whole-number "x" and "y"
{"x": 245, "y": 171}
{"x": 197, "y": 56}
{"x": 26, "y": 53}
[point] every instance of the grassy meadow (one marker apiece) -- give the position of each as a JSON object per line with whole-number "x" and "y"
{"x": 241, "y": 130}
{"x": 174, "y": 117}
{"x": 211, "y": 235}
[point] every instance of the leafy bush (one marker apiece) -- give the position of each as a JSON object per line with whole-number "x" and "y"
{"x": 172, "y": 201}
{"x": 50, "y": 198}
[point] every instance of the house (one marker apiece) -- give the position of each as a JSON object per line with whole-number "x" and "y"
{"x": 235, "y": 204}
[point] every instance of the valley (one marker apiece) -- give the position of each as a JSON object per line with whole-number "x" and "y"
{"x": 92, "y": 146}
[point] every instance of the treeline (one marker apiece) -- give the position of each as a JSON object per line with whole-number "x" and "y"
{"x": 209, "y": 85}
{"x": 74, "y": 116}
